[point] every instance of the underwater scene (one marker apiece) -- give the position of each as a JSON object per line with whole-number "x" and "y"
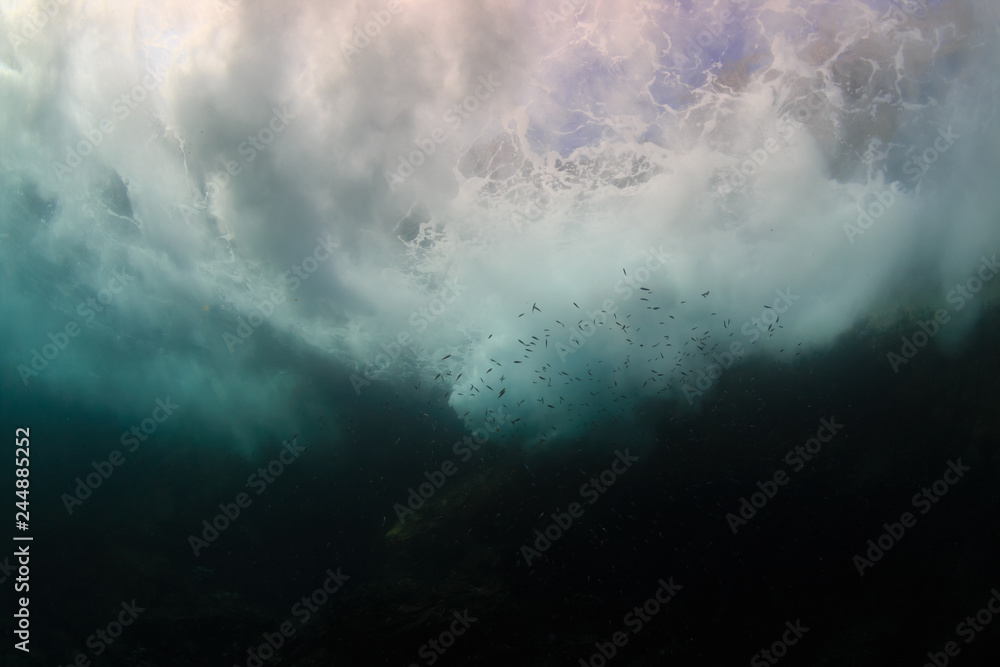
{"x": 500, "y": 332}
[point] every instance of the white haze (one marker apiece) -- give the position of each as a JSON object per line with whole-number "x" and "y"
{"x": 596, "y": 141}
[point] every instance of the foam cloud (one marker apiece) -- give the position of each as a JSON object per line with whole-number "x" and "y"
{"x": 590, "y": 201}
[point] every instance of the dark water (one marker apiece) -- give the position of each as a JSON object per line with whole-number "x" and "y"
{"x": 663, "y": 521}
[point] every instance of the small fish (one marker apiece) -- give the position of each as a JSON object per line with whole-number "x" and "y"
{"x": 535, "y": 307}
{"x": 705, "y": 294}
{"x": 445, "y": 357}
